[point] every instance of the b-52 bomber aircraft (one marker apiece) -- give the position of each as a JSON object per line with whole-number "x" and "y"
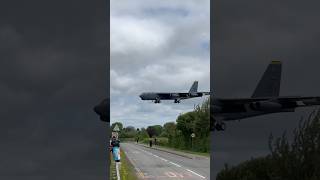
{"x": 265, "y": 100}
{"x": 177, "y": 97}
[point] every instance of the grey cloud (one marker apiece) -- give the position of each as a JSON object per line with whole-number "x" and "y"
{"x": 178, "y": 59}
{"x": 53, "y": 71}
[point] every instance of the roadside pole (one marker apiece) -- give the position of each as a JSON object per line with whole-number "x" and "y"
{"x": 192, "y": 136}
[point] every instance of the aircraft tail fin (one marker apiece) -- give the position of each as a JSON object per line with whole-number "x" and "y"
{"x": 269, "y": 85}
{"x": 194, "y": 87}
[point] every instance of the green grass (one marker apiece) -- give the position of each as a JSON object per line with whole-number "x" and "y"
{"x": 162, "y": 142}
{"x": 113, "y": 173}
{"x": 188, "y": 151}
{"x": 127, "y": 139}
{"x": 127, "y": 171}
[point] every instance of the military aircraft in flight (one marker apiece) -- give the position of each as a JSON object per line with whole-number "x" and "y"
{"x": 156, "y": 97}
{"x": 265, "y": 100}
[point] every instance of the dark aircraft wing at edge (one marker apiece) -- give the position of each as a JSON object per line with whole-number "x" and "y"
{"x": 307, "y": 99}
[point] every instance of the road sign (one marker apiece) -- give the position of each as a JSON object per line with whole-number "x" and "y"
{"x": 115, "y": 134}
{"x": 116, "y": 128}
{"x": 193, "y": 135}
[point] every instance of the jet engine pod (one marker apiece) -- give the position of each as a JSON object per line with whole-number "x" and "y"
{"x": 265, "y": 106}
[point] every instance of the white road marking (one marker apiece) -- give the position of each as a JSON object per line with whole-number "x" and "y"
{"x": 140, "y": 173}
{"x": 175, "y": 164}
{"x": 171, "y": 163}
{"x": 196, "y": 173}
{"x": 163, "y": 159}
{"x": 117, "y": 169}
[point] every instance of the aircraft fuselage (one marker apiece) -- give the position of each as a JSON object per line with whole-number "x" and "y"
{"x": 176, "y": 96}
{"x": 157, "y": 97}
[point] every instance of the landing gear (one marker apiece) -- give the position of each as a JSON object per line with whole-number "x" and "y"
{"x": 219, "y": 126}
{"x": 157, "y": 100}
{"x": 177, "y": 101}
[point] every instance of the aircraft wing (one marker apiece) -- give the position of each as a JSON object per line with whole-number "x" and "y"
{"x": 181, "y": 95}
{"x": 308, "y": 100}
{"x": 172, "y": 95}
{"x": 235, "y": 109}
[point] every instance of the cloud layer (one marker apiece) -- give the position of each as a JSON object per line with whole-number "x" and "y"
{"x": 53, "y": 71}
{"x": 160, "y": 47}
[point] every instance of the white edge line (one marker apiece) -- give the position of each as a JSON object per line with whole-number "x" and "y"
{"x": 163, "y": 159}
{"x": 175, "y": 164}
{"x": 134, "y": 164}
{"x": 196, "y": 173}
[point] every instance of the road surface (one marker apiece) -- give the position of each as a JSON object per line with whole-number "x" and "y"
{"x": 155, "y": 164}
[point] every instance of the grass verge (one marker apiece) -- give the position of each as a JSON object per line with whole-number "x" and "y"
{"x": 181, "y": 150}
{"x": 127, "y": 171}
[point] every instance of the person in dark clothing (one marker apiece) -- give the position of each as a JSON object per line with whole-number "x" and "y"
{"x": 114, "y": 142}
{"x": 150, "y": 143}
{"x": 155, "y": 141}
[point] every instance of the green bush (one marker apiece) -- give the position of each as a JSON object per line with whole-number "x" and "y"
{"x": 298, "y": 160}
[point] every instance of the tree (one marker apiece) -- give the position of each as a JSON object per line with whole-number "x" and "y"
{"x": 186, "y": 123}
{"x": 170, "y": 130}
{"x": 128, "y": 132}
{"x": 130, "y": 129}
{"x": 143, "y": 134}
{"x": 296, "y": 160}
{"x": 151, "y": 131}
{"x": 158, "y": 129}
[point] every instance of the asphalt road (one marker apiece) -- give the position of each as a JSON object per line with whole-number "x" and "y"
{"x": 155, "y": 164}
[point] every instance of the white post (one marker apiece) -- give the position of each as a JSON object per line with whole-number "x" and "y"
{"x": 117, "y": 169}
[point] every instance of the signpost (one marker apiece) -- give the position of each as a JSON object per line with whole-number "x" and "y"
{"x": 116, "y": 128}
{"x": 115, "y": 131}
{"x": 193, "y": 135}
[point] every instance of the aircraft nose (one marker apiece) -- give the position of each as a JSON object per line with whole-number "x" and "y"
{"x": 102, "y": 110}
{"x": 141, "y": 96}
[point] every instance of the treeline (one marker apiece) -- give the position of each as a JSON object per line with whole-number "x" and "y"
{"x": 295, "y": 160}
{"x": 177, "y": 134}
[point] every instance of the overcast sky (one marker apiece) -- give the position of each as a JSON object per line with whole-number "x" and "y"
{"x": 158, "y": 46}
{"x": 52, "y": 59}
{"x": 53, "y": 71}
